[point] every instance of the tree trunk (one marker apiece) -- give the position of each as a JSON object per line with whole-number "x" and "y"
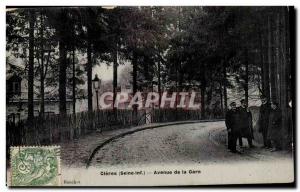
{"x": 134, "y": 82}
{"x": 73, "y": 81}
{"x": 42, "y": 88}
{"x": 221, "y": 98}
{"x": 290, "y": 51}
{"x": 62, "y": 77}
{"x": 279, "y": 65}
{"x": 246, "y": 86}
{"x": 30, "y": 66}
{"x": 146, "y": 71}
{"x": 209, "y": 94}
{"x": 134, "y": 73}
{"x": 202, "y": 91}
{"x": 272, "y": 66}
{"x": 180, "y": 78}
{"x": 89, "y": 73}
{"x": 264, "y": 65}
{"x": 262, "y": 61}
{"x": 224, "y": 86}
{"x": 115, "y": 73}
{"x": 159, "y": 84}
{"x": 62, "y": 65}
{"x": 284, "y": 94}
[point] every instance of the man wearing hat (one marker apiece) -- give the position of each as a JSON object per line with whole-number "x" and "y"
{"x": 245, "y": 123}
{"x": 263, "y": 121}
{"x": 232, "y": 124}
{"x": 275, "y": 122}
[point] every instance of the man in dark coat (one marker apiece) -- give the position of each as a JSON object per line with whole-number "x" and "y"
{"x": 245, "y": 123}
{"x": 263, "y": 120}
{"x": 232, "y": 124}
{"x": 274, "y": 132}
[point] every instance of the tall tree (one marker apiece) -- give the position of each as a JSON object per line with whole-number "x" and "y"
{"x": 89, "y": 68}
{"x": 94, "y": 27}
{"x": 31, "y": 65}
{"x": 61, "y": 33}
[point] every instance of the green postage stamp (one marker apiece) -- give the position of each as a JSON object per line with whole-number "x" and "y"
{"x": 35, "y": 166}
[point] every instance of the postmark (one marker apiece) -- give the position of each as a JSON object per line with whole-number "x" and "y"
{"x": 35, "y": 166}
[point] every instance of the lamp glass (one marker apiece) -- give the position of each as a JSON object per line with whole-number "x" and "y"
{"x": 96, "y": 82}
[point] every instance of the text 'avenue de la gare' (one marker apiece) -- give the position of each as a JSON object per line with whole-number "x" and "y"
{"x": 141, "y": 100}
{"x": 154, "y": 172}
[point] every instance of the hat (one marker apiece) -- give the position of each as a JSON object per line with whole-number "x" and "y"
{"x": 275, "y": 103}
{"x": 232, "y": 103}
{"x": 263, "y": 97}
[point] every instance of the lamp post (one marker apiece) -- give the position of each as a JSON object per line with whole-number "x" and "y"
{"x": 96, "y": 85}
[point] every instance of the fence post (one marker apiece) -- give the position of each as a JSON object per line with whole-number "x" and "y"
{"x": 50, "y": 133}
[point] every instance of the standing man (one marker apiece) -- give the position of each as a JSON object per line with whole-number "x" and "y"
{"x": 263, "y": 121}
{"x": 232, "y": 124}
{"x": 274, "y": 132}
{"x": 245, "y": 123}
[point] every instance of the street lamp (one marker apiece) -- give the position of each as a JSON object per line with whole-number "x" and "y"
{"x": 96, "y": 85}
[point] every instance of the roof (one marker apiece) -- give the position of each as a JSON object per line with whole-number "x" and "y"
{"x": 14, "y": 77}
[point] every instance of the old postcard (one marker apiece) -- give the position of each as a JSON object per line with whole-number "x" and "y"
{"x": 150, "y": 96}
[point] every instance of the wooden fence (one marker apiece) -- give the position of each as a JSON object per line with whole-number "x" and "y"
{"x": 57, "y": 128}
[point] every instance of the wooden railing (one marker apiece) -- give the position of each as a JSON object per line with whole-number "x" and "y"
{"x": 57, "y": 128}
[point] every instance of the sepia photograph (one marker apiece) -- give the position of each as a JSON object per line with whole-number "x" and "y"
{"x": 112, "y": 96}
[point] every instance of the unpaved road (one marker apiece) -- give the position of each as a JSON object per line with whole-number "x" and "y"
{"x": 179, "y": 144}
